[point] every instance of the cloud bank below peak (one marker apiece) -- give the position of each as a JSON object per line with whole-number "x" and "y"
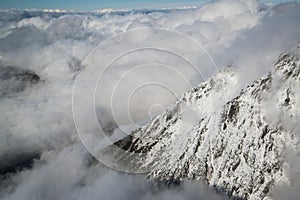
{"x": 38, "y": 119}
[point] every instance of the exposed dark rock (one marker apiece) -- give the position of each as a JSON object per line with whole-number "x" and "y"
{"x": 15, "y": 80}
{"x": 14, "y": 162}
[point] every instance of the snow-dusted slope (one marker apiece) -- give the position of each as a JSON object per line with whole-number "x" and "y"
{"x": 233, "y": 142}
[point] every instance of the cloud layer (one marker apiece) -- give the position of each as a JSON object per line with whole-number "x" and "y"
{"x": 186, "y": 47}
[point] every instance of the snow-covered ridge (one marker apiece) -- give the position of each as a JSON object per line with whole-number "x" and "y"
{"x": 237, "y": 147}
{"x": 102, "y": 11}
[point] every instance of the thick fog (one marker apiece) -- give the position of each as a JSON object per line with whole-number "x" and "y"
{"x": 64, "y": 73}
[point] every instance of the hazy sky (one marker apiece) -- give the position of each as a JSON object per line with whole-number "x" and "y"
{"x": 100, "y": 4}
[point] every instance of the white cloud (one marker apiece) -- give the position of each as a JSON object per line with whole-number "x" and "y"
{"x": 52, "y": 45}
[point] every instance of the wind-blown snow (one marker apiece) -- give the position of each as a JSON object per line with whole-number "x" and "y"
{"x": 239, "y": 147}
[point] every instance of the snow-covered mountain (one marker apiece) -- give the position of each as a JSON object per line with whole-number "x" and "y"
{"x": 235, "y": 142}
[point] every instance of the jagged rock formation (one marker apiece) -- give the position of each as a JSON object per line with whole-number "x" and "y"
{"x": 15, "y": 79}
{"x": 237, "y": 146}
{"x": 17, "y": 161}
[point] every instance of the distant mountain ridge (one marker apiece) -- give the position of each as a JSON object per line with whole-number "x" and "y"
{"x": 237, "y": 147}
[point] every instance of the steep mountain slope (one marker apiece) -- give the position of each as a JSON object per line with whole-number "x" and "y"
{"x": 236, "y": 145}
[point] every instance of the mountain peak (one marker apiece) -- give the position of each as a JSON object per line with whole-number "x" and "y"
{"x": 232, "y": 141}
{"x": 288, "y": 64}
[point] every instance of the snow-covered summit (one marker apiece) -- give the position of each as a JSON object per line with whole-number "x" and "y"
{"x": 233, "y": 142}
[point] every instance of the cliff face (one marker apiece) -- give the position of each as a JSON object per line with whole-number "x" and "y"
{"x": 237, "y": 146}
